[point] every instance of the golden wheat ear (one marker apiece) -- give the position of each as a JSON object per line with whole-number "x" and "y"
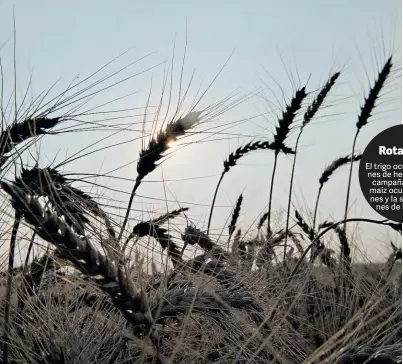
{"x": 155, "y": 150}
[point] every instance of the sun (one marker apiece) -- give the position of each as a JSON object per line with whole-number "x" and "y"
{"x": 171, "y": 143}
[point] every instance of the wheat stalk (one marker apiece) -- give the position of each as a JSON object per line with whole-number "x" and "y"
{"x": 365, "y": 114}
{"x": 310, "y": 113}
{"x": 232, "y": 160}
{"x": 6, "y": 318}
{"x": 326, "y": 174}
{"x": 282, "y": 131}
{"x": 152, "y": 154}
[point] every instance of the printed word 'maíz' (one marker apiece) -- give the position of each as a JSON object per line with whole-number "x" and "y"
{"x": 390, "y": 151}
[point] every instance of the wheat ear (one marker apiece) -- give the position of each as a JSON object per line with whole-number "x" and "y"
{"x": 19, "y": 132}
{"x": 193, "y": 235}
{"x": 144, "y": 228}
{"x": 68, "y": 201}
{"x": 154, "y": 152}
{"x": 152, "y": 228}
{"x": 84, "y": 257}
{"x": 235, "y": 217}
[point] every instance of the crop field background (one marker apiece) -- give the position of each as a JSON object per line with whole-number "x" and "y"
{"x": 179, "y": 182}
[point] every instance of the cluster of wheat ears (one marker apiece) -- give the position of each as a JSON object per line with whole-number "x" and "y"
{"x": 279, "y": 297}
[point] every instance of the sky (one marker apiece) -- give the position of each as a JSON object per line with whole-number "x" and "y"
{"x": 273, "y": 48}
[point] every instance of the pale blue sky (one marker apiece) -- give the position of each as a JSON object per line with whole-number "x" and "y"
{"x": 313, "y": 38}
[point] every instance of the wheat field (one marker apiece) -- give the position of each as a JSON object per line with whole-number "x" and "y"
{"x": 91, "y": 273}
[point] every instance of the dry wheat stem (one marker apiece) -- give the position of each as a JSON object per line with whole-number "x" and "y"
{"x": 6, "y": 318}
{"x": 366, "y": 110}
{"x": 290, "y": 194}
{"x": 31, "y": 244}
{"x": 308, "y": 116}
{"x": 269, "y": 231}
{"x": 350, "y": 176}
{"x": 282, "y": 131}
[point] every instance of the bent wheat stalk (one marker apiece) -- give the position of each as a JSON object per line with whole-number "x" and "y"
{"x": 329, "y": 170}
{"x": 232, "y": 160}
